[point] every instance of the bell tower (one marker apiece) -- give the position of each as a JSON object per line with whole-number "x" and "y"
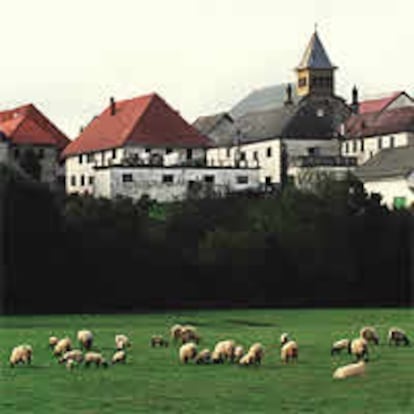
{"x": 315, "y": 72}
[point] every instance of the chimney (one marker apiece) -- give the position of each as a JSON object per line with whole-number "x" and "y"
{"x": 288, "y": 100}
{"x": 112, "y": 106}
{"x": 355, "y": 103}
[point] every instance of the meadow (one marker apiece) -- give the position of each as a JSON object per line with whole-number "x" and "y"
{"x": 153, "y": 380}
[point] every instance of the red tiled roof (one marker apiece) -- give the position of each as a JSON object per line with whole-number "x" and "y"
{"x": 27, "y": 125}
{"x": 376, "y": 105}
{"x": 380, "y": 123}
{"x": 146, "y": 120}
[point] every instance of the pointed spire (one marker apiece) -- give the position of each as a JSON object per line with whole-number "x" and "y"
{"x": 315, "y": 56}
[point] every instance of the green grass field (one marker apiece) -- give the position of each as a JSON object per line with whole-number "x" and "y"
{"x": 153, "y": 380}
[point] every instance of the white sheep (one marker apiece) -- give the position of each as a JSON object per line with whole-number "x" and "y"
{"x": 350, "y": 370}
{"x": 397, "y": 336}
{"x": 122, "y": 341}
{"x": 284, "y": 338}
{"x": 95, "y": 358}
{"x": 225, "y": 350}
{"x": 217, "y": 357}
{"x": 289, "y": 351}
{"x": 339, "y": 346}
{"x": 119, "y": 356}
{"x": 257, "y": 350}
{"x": 359, "y": 348}
{"x": 175, "y": 332}
{"x": 187, "y": 352}
{"x": 203, "y": 357}
{"x": 248, "y": 359}
{"x": 369, "y": 334}
{"x": 189, "y": 333}
{"x": 85, "y": 338}
{"x": 75, "y": 354}
{"x": 70, "y": 364}
{"x": 238, "y": 353}
{"x": 21, "y": 354}
{"x": 53, "y": 340}
{"x": 64, "y": 345}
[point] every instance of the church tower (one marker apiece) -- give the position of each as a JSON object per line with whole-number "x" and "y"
{"x": 315, "y": 73}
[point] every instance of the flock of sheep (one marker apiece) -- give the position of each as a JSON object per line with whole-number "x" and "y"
{"x": 224, "y": 351}
{"x": 64, "y": 351}
{"x": 228, "y": 350}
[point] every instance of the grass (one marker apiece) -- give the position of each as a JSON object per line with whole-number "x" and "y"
{"x": 153, "y": 380}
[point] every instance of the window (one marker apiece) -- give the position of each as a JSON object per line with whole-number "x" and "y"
{"x": 269, "y": 152}
{"x": 354, "y": 146}
{"x": 41, "y": 153}
{"x": 242, "y": 179}
{"x": 127, "y": 178}
{"x": 228, "y": 152}
{"x": 168, "y": 150}
{"x": 362, "y": 145}
{"x": 242, "y": 156}
{"x": 189, "y": 153}
{"x": 346, "y": 147}
{"x": 255, "y": 155}
{"x": 73, "y": 180}
{"x": 148, "y": 150}
{"x": 89, "y": 158}
{"x": 302, "y": 82}
{"x": 91, "y": 180}
{"x": 80, "y": 158}
{"x": 167, "y": 178}
{"x": 268, "y": 180}
{"x": 313, "y": 151}
{"x": 209, "y": 178}
{"x": 399, "y": 202}
{"x": 380, "y": 143}
{"x": 82, "y": 180}
{"x": 114, "y": 153}
{"x": 392, "y": 141}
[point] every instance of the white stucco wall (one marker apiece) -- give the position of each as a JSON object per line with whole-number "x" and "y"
{"x": 371, "y": 145}
{"x": 149, "y": 180}
{"x": 391, "y": 188}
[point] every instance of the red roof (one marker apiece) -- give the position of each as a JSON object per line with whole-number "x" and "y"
{"x": 380, "y": 123}
{"x": 27, "y": 125}
{"x": 377, "y": 105}
{"x": 146, "y": 120}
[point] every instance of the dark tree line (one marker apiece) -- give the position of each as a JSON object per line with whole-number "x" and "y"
{"x": 333, "y": 247}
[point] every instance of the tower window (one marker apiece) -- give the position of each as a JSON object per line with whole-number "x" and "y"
{"x": 302, "y": 82}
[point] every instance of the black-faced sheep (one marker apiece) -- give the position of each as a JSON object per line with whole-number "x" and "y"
{"x": 350, "y": 370}
{"x": 289, "y": 352}
{"x": 338, "y": 346}
{"x": 158, "y": 340}
{"x": 284, "y": 338}
{"x": 189, "y": 334}
{"x": 119, "y": 356}
{"x": 95, "y": 358}
{"x": 369, "y": 334}
{"x": 203, "y": 357}
{"x": 85, "y": 338}
{"x": 187, "y": 352}
{"x": 397, "y": 336}
{"x": 53, "y": 340}
{"x": 64, "y": 345}
{"x": 21, "y": 354}
{"x": 122, "y": 342}
{"x": 359, "y": 348}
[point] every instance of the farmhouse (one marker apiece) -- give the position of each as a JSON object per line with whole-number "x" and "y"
{"x": 142, "y": 146}
{"x": 28, "y": 136}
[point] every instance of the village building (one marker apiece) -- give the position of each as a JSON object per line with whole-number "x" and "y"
{"x": 142, "y": 146}
{"x": 26, "y": 132}
{"x": 277, "y": 127}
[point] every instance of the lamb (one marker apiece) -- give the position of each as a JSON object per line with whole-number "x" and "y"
{"x": 187, "y": 352}
{"x": 64, "y": 345}
{"x": 122, "y": 342}
{"x": 158, "y": 340}
{"x": 289, "y": 351}
{"x": 339, "y": 346}
{"x": 350, "y": 370}
{"x": 53, "y": 340}
{"x": 21, "y": 354}
{"x": 284, "y": 338}
{"x": 75, "y": 354}
{"x": 257, "y": 351}
{"x": 96, "y": 358}
{"x": 203, "y": 357}
{"x": 225, "y": 349}
{"x": 369, "y": 334}
{"x": 359, "y": 348}
{"x": 85, "y": 338}
{"x": 397, "y": 336}
{"x": 119, "y": 356}
{"x": 238, "y": 353}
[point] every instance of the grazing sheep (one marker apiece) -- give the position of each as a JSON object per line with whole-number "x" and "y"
{"x": 21, "y": 354}
{"x": 187, "y": 352}
{"x": 85, "y": 338}
{"x": 289, "y": 351}
{"x": 64, "y": 345}
{"x": 175, "y": 332}
{"x": 359, "y": 348}
{"x": 75, "y": 354}
{"x": 119, "y": 356}
{"x": 95, "y": 358}
{"x": 203, "y": 357}
{"x": 238, "y": 353}
{"x": 158, "y": 340}
{"x": 257, "y": 351}
{"x": 397, "y": 336}
{"x": 217, "y": 357}
{"x": 122, "y": 342}
{"x": 350, "y": 370}
{"x": 225, "y": 349}
{"x": 189, "y": 334}
{"x": 53, "y": 340}
{"x": 369, "y": 334}
{"x": 70, "y": 364}
{"x": 339, "y": 346}
{"x": 284, "y": 338}
{"x": 248, "y": 359}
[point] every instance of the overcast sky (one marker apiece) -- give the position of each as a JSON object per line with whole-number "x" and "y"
{"x": 201, "y": 56}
